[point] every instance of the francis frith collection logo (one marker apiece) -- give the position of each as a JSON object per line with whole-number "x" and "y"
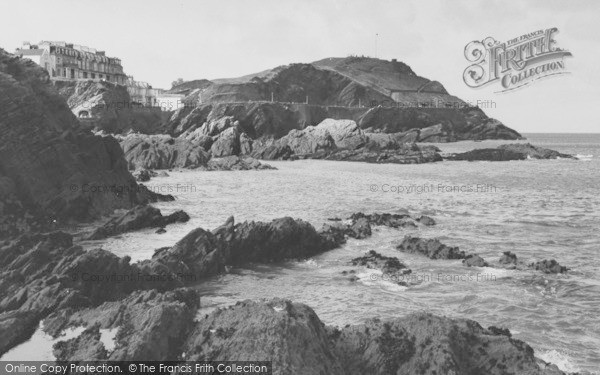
{"x": 515, "y": 63}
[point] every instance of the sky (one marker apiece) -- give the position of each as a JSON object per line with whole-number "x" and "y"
{"x": 160, "y": 41}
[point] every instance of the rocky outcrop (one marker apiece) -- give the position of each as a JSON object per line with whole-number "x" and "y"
{"x": 139, "y": 217}
{"x": 235, "y": 163}
{"x": 162, "y": 152}
{"x": 390, "y": 266}
{"x": 150, "y": 326}
{"x": 343, "y": 140}
{"x": 431, "y": 248}
{"x": 385, "y": 219}
{"x": 50, "y": 167}
{"x": 549, "y": 266}
{"x": 42, "y": 273}
{"x": 508, "y": 152}
{"x": 108, "y": 107}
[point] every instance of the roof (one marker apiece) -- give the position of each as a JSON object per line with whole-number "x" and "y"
{"x": 30, "y": 52}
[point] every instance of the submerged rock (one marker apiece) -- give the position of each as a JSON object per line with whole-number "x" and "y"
{"x": 138, "y": 218}
{"x": 431, "y": 248}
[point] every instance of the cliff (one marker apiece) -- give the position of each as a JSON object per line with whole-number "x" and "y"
{"x": 52, "y": 170}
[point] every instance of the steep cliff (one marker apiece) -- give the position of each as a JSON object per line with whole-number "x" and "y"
{"x": 51, "y": 169}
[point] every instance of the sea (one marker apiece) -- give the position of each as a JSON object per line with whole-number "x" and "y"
{"x": 537, "y": 209}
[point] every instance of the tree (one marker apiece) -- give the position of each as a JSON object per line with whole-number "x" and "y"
{"x": 177, "y": 83}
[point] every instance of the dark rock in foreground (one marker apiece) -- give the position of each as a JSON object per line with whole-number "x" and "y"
{"x": 151, "y": 326}
{"x": 431, "y": 248}
{"x": 516, "y": 151}
{"x": 52, "y": 170}
{"x": 138, "y": 218}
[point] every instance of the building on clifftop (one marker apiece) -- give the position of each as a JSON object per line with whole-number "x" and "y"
{"x": 72, "y": 62}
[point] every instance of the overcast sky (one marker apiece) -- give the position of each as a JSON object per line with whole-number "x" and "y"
{"x": 159, "y": 41}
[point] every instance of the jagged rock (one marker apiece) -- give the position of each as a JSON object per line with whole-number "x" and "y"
{"x": 390, "y": 266}
{"x": 151, "y": 327}
{"x": 289, "y": 334}
{"x": 280, "y": 239}
{"x": 137, "y": 218}
{"x": 16, "y": 327}
{"x": 42, "y": 273}
{"x": 245, "y": 144}
{"x": 53, "y": 164}
{"x": 549, "y": 266}
{"x": 227, "y": 143}
{"x": 515, "y": 151}
{"x": 422, "y": 343}
{"x": 292, "y": 336}
{"x": 275, "y": 151}
{"x": 474, "y": 260}
{"x": 236, "y": 163}
{"x": 307, "y": 141}
{"x": 432, "y": 248}
{"x": 406, "y": 154}
{"x": 359, "y": 229}
{"x": 162, "y": 152}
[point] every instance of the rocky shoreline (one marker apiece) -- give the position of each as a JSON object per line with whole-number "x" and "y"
{"x": 43, "y": 278}
{"x": 49, "y": 160}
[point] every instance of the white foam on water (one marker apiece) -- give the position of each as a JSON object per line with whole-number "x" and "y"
{"x": 107, "y": 337}
{"x": 561, "y": 360}
{"x": 375, "y": 278}
{"x": 39, "y": 346}
{"x": 309, "y": 263}
{"x": 584, "y": 157}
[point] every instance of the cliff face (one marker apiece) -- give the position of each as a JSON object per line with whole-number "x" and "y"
{"x": 50, "y": 167}
{"x": 108, "y": 107}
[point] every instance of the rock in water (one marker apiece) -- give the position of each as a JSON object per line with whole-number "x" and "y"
{"x": 432, "y": 248}
{"x": 137, "y": 218}
{"x": 515, "y": 151}
{"x": 549, "y": 266}
{"x": 162, "y": 152}
{"x": 474, "y": 260}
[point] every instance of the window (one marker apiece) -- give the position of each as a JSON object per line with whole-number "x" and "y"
{"x": 107, "y": 77}
{"x": 93, "y": 76}
{"x": 84, "y": 74}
